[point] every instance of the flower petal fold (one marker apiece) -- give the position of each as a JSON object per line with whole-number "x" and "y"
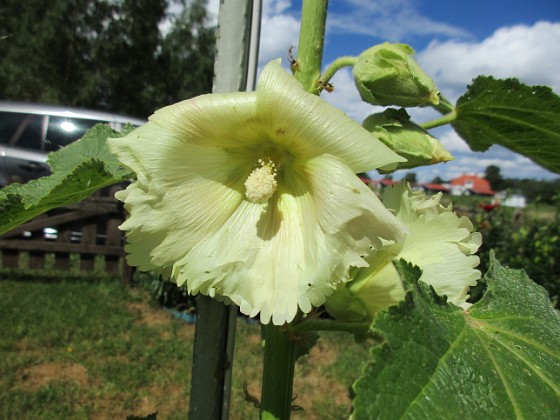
{"x": 217, "y": 120}
{"x": 308, "y": 124}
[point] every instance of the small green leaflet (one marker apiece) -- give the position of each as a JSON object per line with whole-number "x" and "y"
{"x": 525, "y": 119}
{"x": 498, "y": 360}
{"x": 78, "y": 170}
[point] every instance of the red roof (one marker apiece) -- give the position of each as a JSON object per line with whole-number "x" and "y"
{"x": 477, "y": 185}
{"x": 430, "y": 186}
{"x": 384, "y": 182}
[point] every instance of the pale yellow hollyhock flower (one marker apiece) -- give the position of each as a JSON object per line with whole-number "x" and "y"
{"x": 441, "y": 244}
{"x": 253, "y": 196}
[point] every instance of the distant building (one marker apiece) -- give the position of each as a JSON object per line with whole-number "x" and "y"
{"x": 515, "y": 200}
{"x": 470, "y": 185}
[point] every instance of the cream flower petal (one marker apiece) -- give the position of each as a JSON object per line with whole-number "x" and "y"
{"x": 440, "y": 243}
{"x": 309, "y": 125}
{"x": 382, "y": 291}
{"x": 375, "y": 285}
{"x": 174, "y": 179}
{"x": 435, "y": 246}
{"x": 217, "y": 120}
{"x": 291, "y": 253}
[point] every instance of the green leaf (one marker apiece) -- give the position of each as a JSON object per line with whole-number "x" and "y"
{"x": 525, "y": 119}
{"x": 78, "y": 170}
{"x": 498, "y": 360}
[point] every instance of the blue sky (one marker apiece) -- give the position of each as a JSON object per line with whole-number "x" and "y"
{"x": 455, "y": 40}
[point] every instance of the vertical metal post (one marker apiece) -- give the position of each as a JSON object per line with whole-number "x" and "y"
{"x": 215, "y": 324}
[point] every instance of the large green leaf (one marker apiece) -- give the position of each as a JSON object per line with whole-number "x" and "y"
{"x": 498, "y": 360}
{"x": 78, "y": 170}
{"x": 525, "y": 119}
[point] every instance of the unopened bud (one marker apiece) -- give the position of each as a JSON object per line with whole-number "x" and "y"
{"x": 388, "y": 75}
{"x": 394, "y": 128}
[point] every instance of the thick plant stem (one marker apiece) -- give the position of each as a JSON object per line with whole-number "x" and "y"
{"x": 280, "y": 350}
{"x": 278, "y": 374}
{"x": 310, "y": 48}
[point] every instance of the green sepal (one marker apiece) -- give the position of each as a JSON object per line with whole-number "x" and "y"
{"x": 499, "y": 359}
{"x": 394, "y": 128}
{"x": 386, "y": 74}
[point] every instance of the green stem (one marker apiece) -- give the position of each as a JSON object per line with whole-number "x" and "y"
{"x": 279, "y": 351}
{"x": 331, "y": 325}
{"x": 444, "y": 106}
{"x": 335, "y": 66}
{"x": 278, "y": 374}
{"x": 446, "y": 119}
{"x": 310, "y": 47}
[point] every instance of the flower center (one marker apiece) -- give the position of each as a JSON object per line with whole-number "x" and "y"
{"x": 261, "y": 183}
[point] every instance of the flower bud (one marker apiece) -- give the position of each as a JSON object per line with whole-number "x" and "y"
{"x": 387, "y": 75}
{"x": 394, "y": 128}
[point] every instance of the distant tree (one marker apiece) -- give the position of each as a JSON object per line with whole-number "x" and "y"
{"x": 388, "y": 177}
{"x": 108, "y": 55}
{"x": 535, "y": 190}
{"x": 410, "y": 177}
{"x": 494, "y": 177}
{"x": 46, "y": 49}
{"x": 127, "y": 59}
{"x": 438, "y": 180}
{"x": 190, "y": 45}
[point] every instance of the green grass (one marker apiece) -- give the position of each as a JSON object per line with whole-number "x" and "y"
{"x": 78, "y": 349}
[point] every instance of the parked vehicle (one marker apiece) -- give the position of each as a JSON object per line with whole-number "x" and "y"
{"x": 28, "y": 132}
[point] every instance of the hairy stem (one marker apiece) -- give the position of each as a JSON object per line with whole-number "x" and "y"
{"x": 310, "y": 47}
{"x": 335, "y": 66}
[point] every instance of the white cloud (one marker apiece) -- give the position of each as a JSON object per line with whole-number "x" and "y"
{"x": 213, "y": 8}
{"x": 530, "y": 53}
{"x": 453, "y": 143}
{"x": 279, "y": 31}
{"x": 467, "y": 162}
{"x": 391, "y": 20}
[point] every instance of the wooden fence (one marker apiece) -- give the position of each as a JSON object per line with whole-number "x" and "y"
{"x": 82, "y": 236}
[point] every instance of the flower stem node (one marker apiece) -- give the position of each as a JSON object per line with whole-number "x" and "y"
{"x": 261, "y": 183}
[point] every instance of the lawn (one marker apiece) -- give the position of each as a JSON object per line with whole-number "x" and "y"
{"x": 97, "y": 350}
